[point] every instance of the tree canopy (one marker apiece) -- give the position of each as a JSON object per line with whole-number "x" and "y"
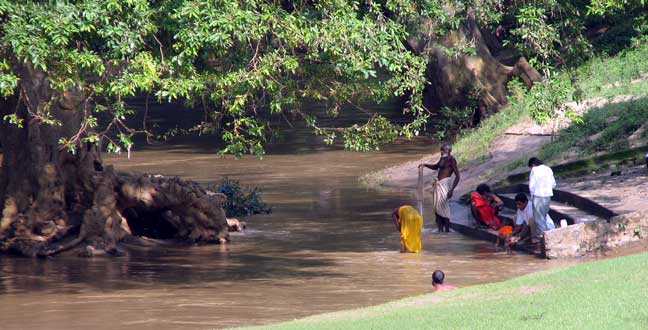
{"x": 236, "y": 58}
{"x": 244, "y": 61}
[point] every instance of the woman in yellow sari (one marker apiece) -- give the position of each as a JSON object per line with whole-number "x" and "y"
{"x": 409, "y": 223}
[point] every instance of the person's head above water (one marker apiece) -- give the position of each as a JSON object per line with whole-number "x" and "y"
{"x": 534, "y": 161}
{"x": 446, "y": 149}
{"x": 521, "y": 201}
{"x": 483, "y": 189}
{"x": 437, "y": 277}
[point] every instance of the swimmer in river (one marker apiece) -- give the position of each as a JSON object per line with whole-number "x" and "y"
{"x": 437, "y": 282}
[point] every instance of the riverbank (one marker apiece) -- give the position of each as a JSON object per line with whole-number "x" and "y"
{"x": 604, "y": 294}
{"x": 619, "y": 184}
{"x": 592, "y": 295}
{"x": 612, "y": 117}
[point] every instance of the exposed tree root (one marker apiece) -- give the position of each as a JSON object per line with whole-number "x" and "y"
{"x": 188, "y": 211}
{"x": 54, "y": 200}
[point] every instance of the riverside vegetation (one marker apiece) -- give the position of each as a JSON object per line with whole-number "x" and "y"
{"x": 240, "y": 201}
{"x": 582, "y": 296}
{"x": 603, "y": 76}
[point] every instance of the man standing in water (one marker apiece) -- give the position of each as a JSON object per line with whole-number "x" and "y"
{"x": 541, "y": 184}
{"x": 443, "y": 188}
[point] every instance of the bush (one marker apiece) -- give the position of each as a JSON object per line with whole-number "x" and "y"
{"x": 546, "y": 98}
{"x": 240, "y": 202}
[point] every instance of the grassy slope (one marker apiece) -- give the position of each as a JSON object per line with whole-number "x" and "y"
{"x": 600, "y": 77}
{"x": 606, "y": 294}
{"x": 618, "y": 75}
{"x": 612, "y": 136}
{"x": 623, "y": 74}
{"x": 613, "y": 76}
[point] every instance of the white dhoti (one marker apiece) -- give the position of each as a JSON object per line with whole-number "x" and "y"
{"x": 440, "y": 189}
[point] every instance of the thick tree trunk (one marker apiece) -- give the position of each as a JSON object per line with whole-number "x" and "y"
{"x": 454, "y": 78}
{"x": 54, "y": 200}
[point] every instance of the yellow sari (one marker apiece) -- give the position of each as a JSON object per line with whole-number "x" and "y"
{"x": 411, "y": 224}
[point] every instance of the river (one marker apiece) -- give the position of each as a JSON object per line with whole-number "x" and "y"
{"x": 328, "y": 245}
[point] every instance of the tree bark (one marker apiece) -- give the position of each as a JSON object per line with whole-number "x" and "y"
{"x": 453, "y": 78}
{"x": 54, "y": 200}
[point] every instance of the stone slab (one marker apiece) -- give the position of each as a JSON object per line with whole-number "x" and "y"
{"x": 593, "y": 237}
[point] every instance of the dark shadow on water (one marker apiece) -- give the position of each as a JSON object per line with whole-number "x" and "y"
{"x": 176, "y": 267}
{"x": 193, "y": 145}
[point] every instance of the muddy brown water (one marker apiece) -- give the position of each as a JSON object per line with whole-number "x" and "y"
{"x": 328, "y": 245}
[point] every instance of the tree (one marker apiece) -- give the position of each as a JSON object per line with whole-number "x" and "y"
{"x": 68, "y": 67}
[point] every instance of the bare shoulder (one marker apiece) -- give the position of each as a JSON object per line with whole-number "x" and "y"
{"x": 445, "y": 287}
{"x": 453, "y": 163}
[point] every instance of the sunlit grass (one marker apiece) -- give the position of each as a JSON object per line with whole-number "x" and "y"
{"x": 472, "y": 145}
{"x": 597, "y": 132}
{"x": 611, "y": 76}
{"x": 606, "y": 294}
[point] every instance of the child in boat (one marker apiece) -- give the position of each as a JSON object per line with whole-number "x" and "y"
{"x": 505, "y": 235}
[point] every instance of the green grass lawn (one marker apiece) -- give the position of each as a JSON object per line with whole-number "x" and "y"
{"x": 605, "y": 294}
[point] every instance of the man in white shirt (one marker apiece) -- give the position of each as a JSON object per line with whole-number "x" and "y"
{"x": 541, "y": 184}
{"x": 524, "y": 217}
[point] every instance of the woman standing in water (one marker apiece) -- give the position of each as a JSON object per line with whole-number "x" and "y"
{"x": 409, "y": 223}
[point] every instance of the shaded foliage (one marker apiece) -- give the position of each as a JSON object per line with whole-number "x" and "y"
{"x": 242, "y": 62}
{"x": 239, "y": 61}
{"x": 240, "y": 201}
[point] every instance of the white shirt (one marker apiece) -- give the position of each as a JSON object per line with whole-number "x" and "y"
{"x": 541, "y": 181}
{"x": 526, "y": 216}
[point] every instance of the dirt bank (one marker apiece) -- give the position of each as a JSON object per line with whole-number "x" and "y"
{"x": 621, "y": 189}
{"x": 517, "y": 142}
